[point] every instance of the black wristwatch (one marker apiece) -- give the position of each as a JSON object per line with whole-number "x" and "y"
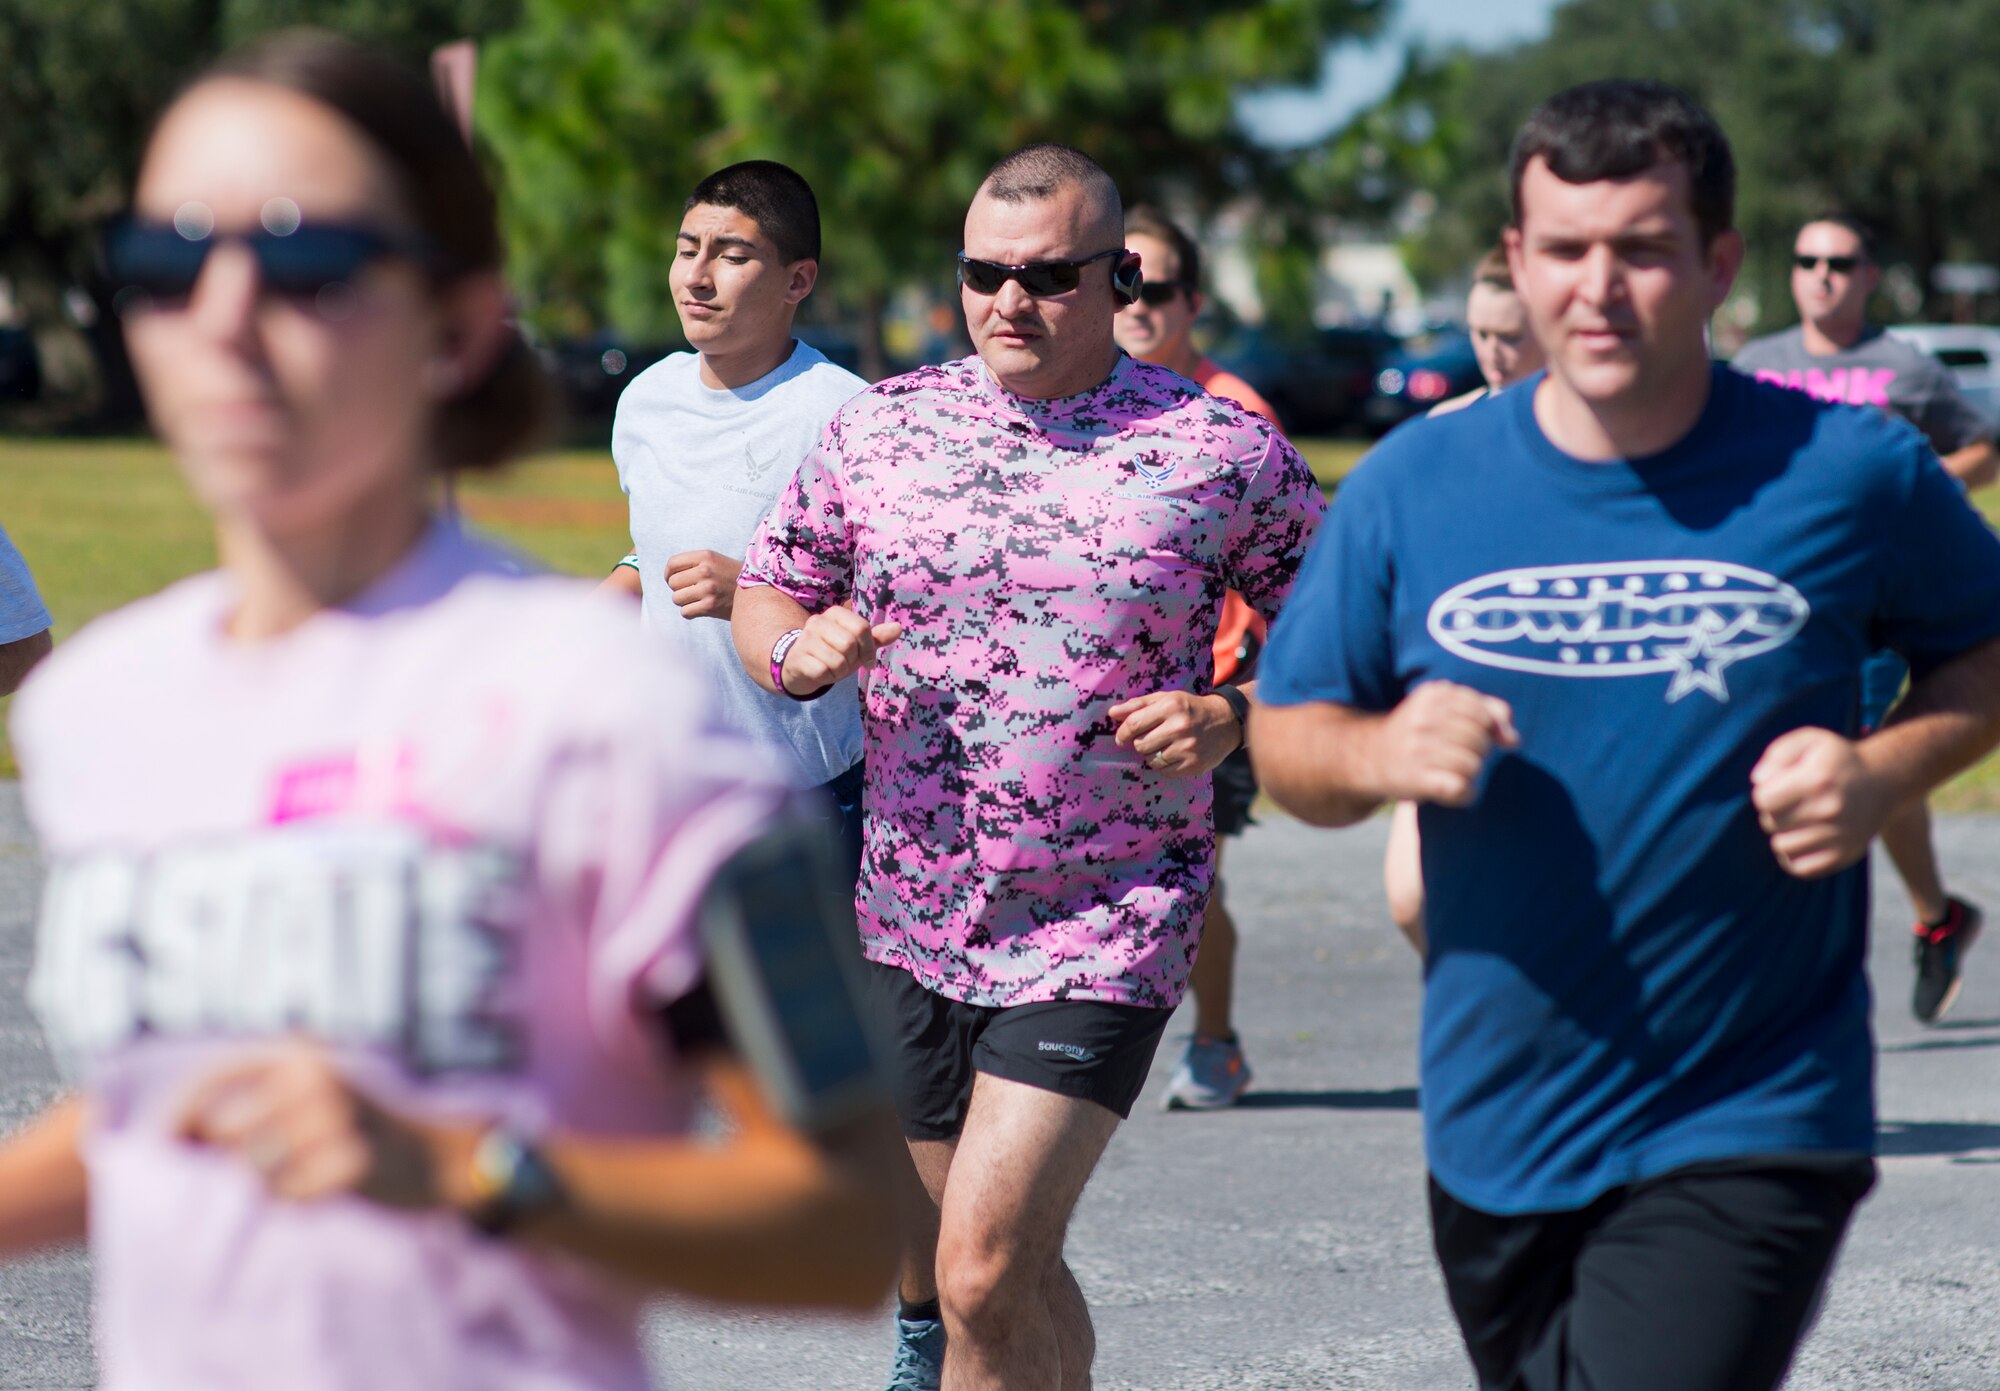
{"x": 510, "y": 1182}
{"x": 1239, "y": 706}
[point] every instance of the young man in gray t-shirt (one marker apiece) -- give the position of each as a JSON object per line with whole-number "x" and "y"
{"x": 1835, "y": 354}
{"x": 705, "y": 441}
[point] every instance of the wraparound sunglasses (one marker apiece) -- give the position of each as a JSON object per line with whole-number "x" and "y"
{"x": 1038, "y": 278}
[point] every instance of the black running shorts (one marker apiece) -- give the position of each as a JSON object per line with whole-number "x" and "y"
{"x": 1235, "y": 790}
{"x": 1085, "y": 1049}
{"x": 1704, "y": 1279}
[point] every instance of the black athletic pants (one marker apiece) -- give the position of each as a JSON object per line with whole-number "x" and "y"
{"x": 1704, "y": 1279}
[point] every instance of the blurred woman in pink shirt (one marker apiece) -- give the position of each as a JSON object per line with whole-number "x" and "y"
{"x": 377, "y": 866}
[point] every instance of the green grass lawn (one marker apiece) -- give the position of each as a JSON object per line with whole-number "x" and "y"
{"x": 104, "y": 522}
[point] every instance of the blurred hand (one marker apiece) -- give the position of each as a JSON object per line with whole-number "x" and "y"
{"x": 1818, "y": 801}
{"x": 832, "y": 647}
{"x": 703, "y": 583}
{"x": 291, "y": 1116}
{"x": 1434, "y": 745}
{"x": 1176, "y": 733}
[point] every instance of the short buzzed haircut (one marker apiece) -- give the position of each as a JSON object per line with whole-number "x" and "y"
{"x": 1494, "y": 272}
{"x": 1620, "y": 127}
{"x": 1840, "y": 218}
{"x": 1144, "y": 220}
{"x": 771, "y": 195}
{"x": 1035, "y": 173}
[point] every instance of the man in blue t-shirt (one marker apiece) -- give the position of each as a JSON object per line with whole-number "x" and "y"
{"x": 1606, "y": 629}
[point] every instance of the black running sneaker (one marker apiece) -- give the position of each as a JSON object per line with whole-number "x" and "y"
{"x": 1940, "y": 956}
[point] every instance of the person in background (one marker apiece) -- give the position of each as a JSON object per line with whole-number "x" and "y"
{"x": 1158, "y": 327}
{"x": 376, "y": 937}
{"x": 1835, "y": 354}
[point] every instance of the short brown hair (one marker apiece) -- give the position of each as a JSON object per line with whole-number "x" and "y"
{"x": 1494, "y": 271}
{"x": 442, "y": 190}
{"x": 1035, "y": 173}
{"x": 1145, "y": 220}
{"x": 1622, "y": 126}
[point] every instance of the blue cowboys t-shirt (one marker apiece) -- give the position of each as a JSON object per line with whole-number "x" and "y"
{"x": 1621, "y": 980}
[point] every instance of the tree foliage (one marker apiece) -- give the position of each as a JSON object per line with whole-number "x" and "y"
{"x": 83, "y": 80}
{"x": 82, "y": 84}
{"x": 1881, "y": 107}
{"x": 604, "y": 113}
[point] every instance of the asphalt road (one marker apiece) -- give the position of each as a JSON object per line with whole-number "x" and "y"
{"x": 1282, "y": 1246}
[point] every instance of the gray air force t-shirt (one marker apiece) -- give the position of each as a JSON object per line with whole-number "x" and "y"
{"x": 21, "y": 612}
{"x": 1877, "y": 371}
{"x": 702, "y": 466}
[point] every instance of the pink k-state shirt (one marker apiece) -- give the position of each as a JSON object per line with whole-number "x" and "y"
{"x": 454, "y": 830}
{"x": 1047, "y": 560}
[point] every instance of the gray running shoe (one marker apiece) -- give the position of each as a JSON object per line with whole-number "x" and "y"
{"x": 1940, "y": 960}
{"x": 919, "y": 1364}
{"x": 1212, "y": 1074}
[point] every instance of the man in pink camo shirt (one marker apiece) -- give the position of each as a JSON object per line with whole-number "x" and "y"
{"x": 1026, "y": 550}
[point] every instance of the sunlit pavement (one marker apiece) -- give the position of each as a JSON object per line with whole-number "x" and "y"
{"x": 1282, "y": 1246}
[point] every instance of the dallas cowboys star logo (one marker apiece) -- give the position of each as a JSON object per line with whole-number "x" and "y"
{"x": 1698, "y": 666}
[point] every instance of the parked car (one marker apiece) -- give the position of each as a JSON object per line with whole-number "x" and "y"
{"x": 20, "y": 366}
{"x": 1971, "y": 351}
{"x": 1416, "y": 379}
{"x": 1318, "y": 382}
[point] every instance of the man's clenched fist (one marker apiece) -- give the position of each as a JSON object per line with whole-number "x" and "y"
{"x": 832, "y": 647}
{"x": 703, "y": 583}
{"x": 1435, "y": 743}
{"x": 1818, "y": 801}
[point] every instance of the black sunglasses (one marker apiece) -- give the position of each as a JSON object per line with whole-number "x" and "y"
{"x": 1038, "y": 278}
{"x": 1839, "y": 265}
{"x": 1159, "y": 292}
{"x": 147, "y": 261}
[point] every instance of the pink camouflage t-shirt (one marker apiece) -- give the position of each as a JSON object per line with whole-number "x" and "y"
{"x": 1047, "y": 560}
{"x": 456, "y": 831}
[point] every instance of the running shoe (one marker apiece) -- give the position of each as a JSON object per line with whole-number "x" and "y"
{"x": 1212, "y": 1074}
{"x": 919, "y": 1364}
{"x": 1940, "y": 956}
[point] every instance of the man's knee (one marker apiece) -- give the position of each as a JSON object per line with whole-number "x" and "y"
{"x": 984, "y": 1284}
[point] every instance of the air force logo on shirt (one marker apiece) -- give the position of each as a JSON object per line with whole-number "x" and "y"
{"x": 1688, "y": 619}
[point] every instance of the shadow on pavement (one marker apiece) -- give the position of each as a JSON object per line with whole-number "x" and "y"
{"x": 1895, "y": 1139}
{"x": 1388, "y": 1099}
{"x": 1935, "y": 1045}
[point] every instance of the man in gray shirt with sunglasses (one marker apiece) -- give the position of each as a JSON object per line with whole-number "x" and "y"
{"x": 1835, "y": 354}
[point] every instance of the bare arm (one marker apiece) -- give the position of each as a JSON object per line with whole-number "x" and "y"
{"x": 1821, "y": 797}
{"x": 1314, "y": 759}
{"x": 18, "y": 658}
{"x": 763, "y": 614}
{"x": 623, "y": 579}
{"x": 1976, "y": 466}
{"x": 43, "y": 1190}
{"x": 1331, "y": 765}
{"x": 765, "y": 1216}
